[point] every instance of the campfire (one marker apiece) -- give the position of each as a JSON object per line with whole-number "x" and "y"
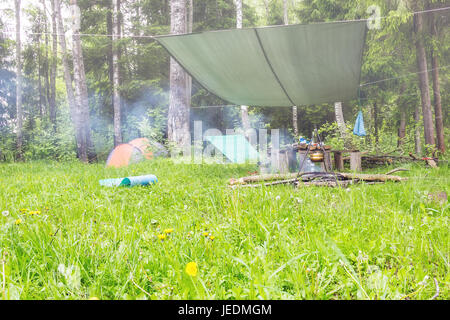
{"x": 329, "y": 179}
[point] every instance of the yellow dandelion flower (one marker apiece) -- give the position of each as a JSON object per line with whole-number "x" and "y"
{"x": 191, "y": 269}
{"x": 161, "y": 236}
{"x": 18, "y": 221}
{"x": 23, "y": 210}
{"x": 205, "y": 234}
{"x": 31, "y": 213}
{"x": 212, "y": 237}
{"x": 168, "y": 230}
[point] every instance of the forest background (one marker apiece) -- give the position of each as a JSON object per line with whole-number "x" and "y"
{"x": 121, "y": 76}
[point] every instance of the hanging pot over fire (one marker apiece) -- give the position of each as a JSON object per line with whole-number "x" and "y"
{"x": 316, "y": 156}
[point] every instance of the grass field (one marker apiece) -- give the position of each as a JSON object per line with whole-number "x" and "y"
{"x": 63, "y": 236}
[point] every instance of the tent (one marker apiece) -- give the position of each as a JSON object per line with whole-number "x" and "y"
{"x": 275, "y": 66}
{"x": 234, "y": 147}
{"x": 131, "y": 152}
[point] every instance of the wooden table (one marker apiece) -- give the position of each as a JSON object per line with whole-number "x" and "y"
{"x": 338, "y": 163}
{"x": 284, "y": 162}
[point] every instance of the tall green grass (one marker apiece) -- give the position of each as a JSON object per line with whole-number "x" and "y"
{"x": 386, "y": 241}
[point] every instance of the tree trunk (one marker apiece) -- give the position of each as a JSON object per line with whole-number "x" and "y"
{"x": 178, "y": 116}
{"x": 77, "y": 78}
{"x": 375, "y": 123}
{"x": 116, "y": 73}
{"x": 46, "y": 62}
{"x": 190, "y": 16}
{"x": 417, "y": 142}
{"x": 190, "y": 24}
{"x": 423, "y": 80}
{"x": 294, "y": 108}
{"x": 109, "y": 30}
{"x": 402, "y": 123}
{"x": 341, "y": 125}
{"x": 137, "y": 34}
{"x": 245, "y": 119}
{"x": 238, "y": 14}
{"x": 81, "y": 93}
{"x": 402, "y": 126}
{"x": 436, "y": 89}
{"x": 53, "y": 68}
{"x": 355, "y": 161}
{"x": 39, "y": 58}
{"x": 266, "y": 7}
{"x": 295, "y": 121}
{"x": 244, "y": 109}
{"x": 19, "y": 133}
{"x": 285, "y": 12}
{"x": 73, "y": 108}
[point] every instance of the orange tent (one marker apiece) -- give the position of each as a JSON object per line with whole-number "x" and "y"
{"x": 131, "y": 152}
{"x": 142, "y": 144}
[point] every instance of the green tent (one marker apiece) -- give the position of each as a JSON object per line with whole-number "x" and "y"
{"x": 275, "y": 66}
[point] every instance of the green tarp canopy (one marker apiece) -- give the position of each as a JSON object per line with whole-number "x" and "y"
{"x": 275, "y": 66}
{"x": 235, "y": 147}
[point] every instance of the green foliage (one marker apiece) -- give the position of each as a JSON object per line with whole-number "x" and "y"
{"x": 47, "y": 144}
{"x": 144, "y": 68}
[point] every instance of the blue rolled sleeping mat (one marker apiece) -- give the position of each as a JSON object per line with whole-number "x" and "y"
{"x": 130, "y": 181}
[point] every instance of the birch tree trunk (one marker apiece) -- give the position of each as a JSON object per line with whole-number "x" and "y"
{"x": 85, "y": 117}
{"x": 81, "y": 93}
{"x": 82, "y": 147}
{"x": 178, "y": 116}
{"x": 244, "y": 109}
{"x": 19, "y": 133}
{"x": 68, "y": 79}
{"x": 436, "y": 89}
{"x": 45, "y": 64}
{"x": 423, "y": 80}
{"x": 341, "y": 125}
{"x": 294, "y": 108}
{"x": 53, "y": 68}
{"x": 39, "y": 58}
{"x": 116, "y": 73}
